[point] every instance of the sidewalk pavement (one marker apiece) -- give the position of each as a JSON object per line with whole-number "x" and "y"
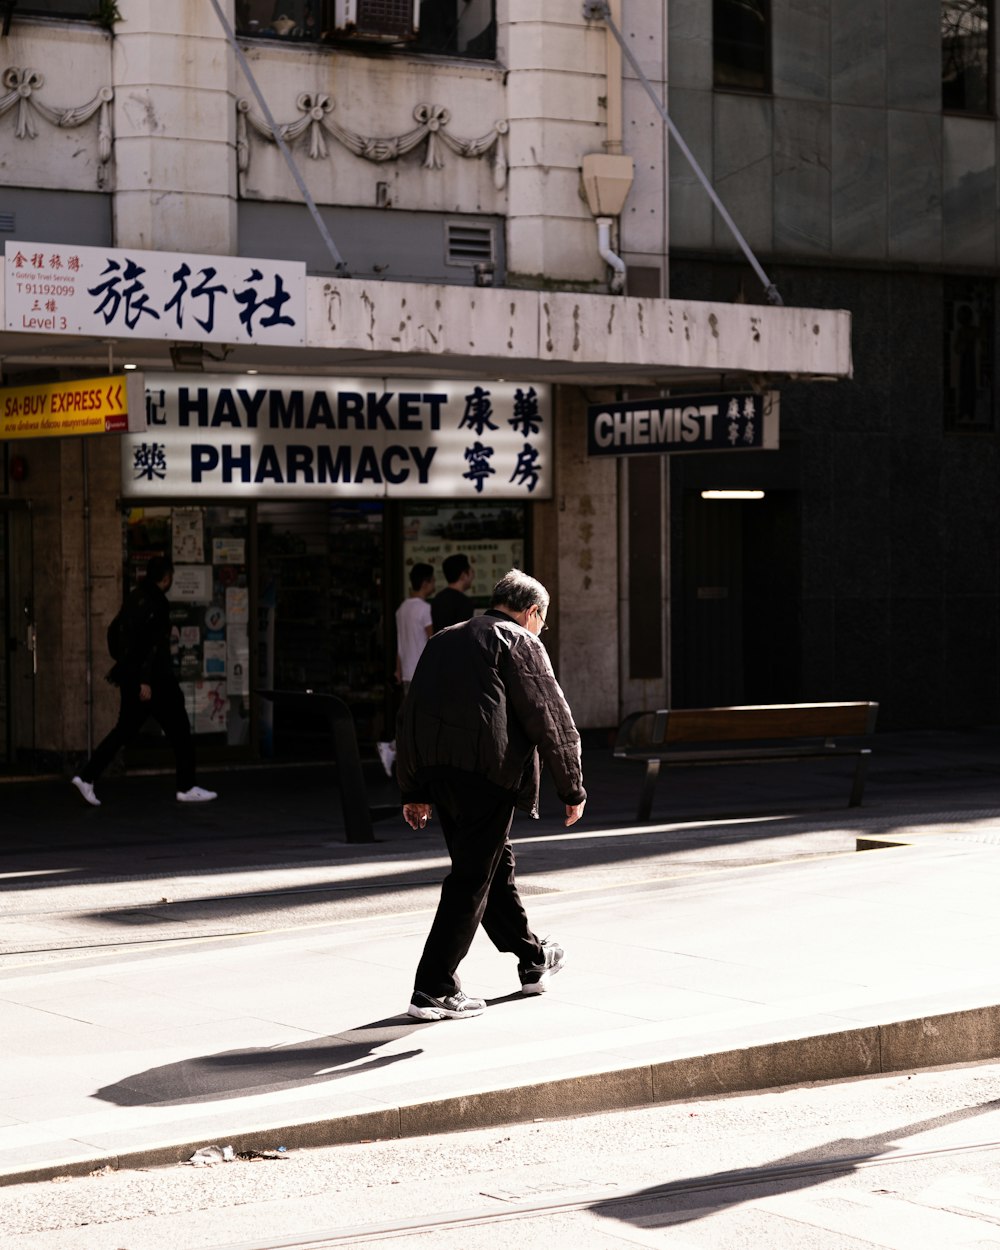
{"x": 675, "y": 986}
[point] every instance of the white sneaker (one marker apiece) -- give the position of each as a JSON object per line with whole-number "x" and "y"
{"x": 196, "y": 795}
{"x": 87, "y": 790}
{"x": 387, "y": 754}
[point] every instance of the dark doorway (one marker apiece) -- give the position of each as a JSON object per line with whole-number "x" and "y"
{"x": 17, "y": 638}
{"x": 736, "y": 618}
{"x": 321, "y": 618}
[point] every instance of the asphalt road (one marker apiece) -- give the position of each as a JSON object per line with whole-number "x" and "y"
{"x": 905, "y": 1162}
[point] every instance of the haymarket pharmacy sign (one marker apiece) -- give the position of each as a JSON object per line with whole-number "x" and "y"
{"x": 362, "y": 438}
{"x": 126, "y": 293}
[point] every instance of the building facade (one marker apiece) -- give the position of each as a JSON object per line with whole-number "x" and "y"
{"x": 373, "y": 269}
{"x": 856, "y": 144}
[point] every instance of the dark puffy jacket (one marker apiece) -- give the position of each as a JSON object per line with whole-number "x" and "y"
{"x": 145, "y": 636}
{"x": 484, "y": 699}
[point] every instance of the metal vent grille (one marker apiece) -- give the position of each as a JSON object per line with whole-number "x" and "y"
{"x": 8, "y": 223}
{"x": 469, "y": 245}
{"x": 386, "y": 18}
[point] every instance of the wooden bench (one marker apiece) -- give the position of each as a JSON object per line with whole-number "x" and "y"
{"x": 746, "y": 735}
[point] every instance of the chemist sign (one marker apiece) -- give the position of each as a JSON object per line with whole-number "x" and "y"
{"x": 125, "y": 293}
{"x": 725, "y": 422}
{"x": 362, "y": 438}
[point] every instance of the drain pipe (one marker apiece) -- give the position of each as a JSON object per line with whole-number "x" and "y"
{"x": 611, "y": 258}
{"x": 600, "y": 11}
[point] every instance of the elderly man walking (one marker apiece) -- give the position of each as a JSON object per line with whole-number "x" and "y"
{"x": 483, "y": 705}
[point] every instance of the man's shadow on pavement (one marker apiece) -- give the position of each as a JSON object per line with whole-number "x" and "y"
{"x": 698, "y": 1197}
{"x": 262, "y": 1070}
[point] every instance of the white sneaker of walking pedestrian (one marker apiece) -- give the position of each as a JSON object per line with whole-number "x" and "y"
{"x": 196, "y": 795}
{"x": 87, "y": 790}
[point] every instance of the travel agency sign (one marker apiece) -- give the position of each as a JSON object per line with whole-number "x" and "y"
{"x": 273, "y": 437}
{"x": 132, "y": 294}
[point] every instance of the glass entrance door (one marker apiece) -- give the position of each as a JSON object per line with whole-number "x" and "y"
{"x": 321, "y": 618}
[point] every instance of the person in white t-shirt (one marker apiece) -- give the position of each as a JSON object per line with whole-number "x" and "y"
{"x": 413, "y": 623}
{"x": 413, "y": 627}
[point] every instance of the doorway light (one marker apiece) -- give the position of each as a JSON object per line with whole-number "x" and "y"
{"x": 129, "y": 368}
{"x": 732, "y": 494}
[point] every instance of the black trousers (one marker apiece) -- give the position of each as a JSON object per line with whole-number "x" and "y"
{"x": 475, "y": 818}
{"x": 167, "y": 708}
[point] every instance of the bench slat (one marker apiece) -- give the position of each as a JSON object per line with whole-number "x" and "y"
{"x": 728, "y": 735}
{"x": 780, "y": 720}
{"x": 738, "y": 754}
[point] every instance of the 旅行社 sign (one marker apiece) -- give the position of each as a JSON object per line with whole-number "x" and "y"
{"x": 133, "y": 294}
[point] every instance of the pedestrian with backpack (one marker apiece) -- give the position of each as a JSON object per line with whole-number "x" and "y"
{"x": 139, "y": 642}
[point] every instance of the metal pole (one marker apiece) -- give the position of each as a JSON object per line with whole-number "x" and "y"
{"x": 338, "y": 260}
{"x": 599, "y": 11}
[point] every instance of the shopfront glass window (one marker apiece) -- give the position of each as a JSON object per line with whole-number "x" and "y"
{"x": 741, "y": 44}
{"x": 209, "y": 610}
{"x": 491, "y": 535}
{"x": 320, "y": 619}
{"x": 966, "y": 63}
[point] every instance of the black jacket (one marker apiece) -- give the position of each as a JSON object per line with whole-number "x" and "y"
{"x": 450, "y": 607}
{"x": 145, "y": 635}
{"x": 484, "y": 699}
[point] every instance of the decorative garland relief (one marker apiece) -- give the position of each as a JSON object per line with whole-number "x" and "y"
{"x": 431, "y": 128}
{"x": 23, "y": 85}
{"x": 21, "y": 88}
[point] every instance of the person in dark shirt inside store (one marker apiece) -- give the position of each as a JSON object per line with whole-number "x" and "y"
{"x": 452, "y": 605}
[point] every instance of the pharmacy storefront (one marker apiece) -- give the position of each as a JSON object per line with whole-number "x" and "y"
{"x": 293, "y": 508}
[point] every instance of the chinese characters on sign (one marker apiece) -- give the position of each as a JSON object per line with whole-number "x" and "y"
{"x": 356, "y": 438}
{"x": 111, "y": 292}
{"x": 728, "y": 422}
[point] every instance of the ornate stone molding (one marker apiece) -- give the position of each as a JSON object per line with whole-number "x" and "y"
{"x": 21, "y": 86}
{"x": 317, "y": 123}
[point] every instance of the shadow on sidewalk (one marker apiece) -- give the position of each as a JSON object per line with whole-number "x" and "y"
{"x": 262, "y": 1070}
{"x": 684, "y": 1201}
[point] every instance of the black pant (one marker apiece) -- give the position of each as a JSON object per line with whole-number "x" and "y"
{"x": 167, "y": 708}
{"x": 475, "y": 817}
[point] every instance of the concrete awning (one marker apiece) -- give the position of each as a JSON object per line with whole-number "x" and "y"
{"x": 418, "y": 329}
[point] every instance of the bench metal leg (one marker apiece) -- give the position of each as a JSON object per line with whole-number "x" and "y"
{"x": 858, "y": 789}
{"x": 648, "y": 786}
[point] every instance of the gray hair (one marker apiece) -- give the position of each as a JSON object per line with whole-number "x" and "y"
{"x": 518, "y": 591}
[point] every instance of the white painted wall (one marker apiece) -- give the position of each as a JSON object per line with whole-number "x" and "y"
{"x": 174, "y": 165}
{"x": 175, "y": 128}
{"x": 71, "y": 64}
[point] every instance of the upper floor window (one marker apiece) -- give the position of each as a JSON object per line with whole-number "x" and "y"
{"x": 465, "y": 28}
{"x": 58, "y": 8}
{"x": 741, "y": 44}
{"x": 966, "y": 63}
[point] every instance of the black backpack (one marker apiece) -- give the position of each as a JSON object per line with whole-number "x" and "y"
{"x": 116, "y": 636}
